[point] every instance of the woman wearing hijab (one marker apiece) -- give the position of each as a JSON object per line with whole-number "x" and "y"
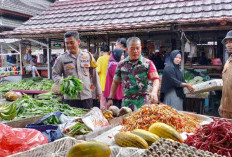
{"x": 173, "y": 82}
{"x": 225, "y": 109}
{"x": 116, "y": 56}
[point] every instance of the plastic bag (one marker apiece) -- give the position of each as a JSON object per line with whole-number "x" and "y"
{"x": 14, "y": 140}
{"x": 95, "y": 119}
{"x": 52, "y": 131}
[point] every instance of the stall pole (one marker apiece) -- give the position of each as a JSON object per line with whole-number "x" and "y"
{"x": 108, "y": 39}
{"x": 88, "y": 43}
{"x": 20, "y": 58}
{"x": 1, "y": 56}
{"x": 182, "y": 50}
{"x": 49, "y": 58}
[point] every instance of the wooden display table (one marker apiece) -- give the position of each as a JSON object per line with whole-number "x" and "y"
{"x": 30, "y": 92}
{"x": 195, "y": 103}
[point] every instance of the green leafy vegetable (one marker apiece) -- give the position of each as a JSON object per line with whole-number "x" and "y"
{"x": 27, "y": 84}
{"x": 29, "y": 107}
{"x": 71, "y": 86}
{"x": 48, "y": 95}
{"x": 50, "y": 120}
{"x": 78, "y": 129}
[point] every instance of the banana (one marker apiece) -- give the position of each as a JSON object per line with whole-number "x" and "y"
{"x": 8, "y": 117}
{"x": 13, "y": 109}
{"x": 8, "y": 109}
{"x": 5, "y": 108}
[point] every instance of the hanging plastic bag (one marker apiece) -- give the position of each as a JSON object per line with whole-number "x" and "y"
{"x": 14, "y": 140}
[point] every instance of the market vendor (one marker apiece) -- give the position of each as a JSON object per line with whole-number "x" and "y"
{"x": 173, "y": 82}
{"x": 75, "y": 62}
{"x": 30, "y": 64}
{"x": 225, "y": 109}
{"x": 134, "y": 72}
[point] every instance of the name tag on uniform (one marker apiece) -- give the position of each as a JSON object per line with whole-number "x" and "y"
{"x": 68, "y": 62}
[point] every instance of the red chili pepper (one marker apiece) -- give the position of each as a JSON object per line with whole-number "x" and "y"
{"x": 215, "y": 137}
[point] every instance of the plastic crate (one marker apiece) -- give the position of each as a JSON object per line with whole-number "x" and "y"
{"x": 58, "y": 148}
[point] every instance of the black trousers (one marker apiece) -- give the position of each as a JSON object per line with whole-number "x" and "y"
{"x": 86, "y": 103}
{"x": 96, "y": 103}
{"x": 117, "y": 103}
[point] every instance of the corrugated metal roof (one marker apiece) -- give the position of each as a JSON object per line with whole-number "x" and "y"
{"x": 27, "y": 7}
{"x": 110, "y": 14}
{"x": 12, "y": 23}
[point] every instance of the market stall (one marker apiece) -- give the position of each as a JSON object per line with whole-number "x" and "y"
{"x": 10, "y": 60}
{"x": 169, "y": 132}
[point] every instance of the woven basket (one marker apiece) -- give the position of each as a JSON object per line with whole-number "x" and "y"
{"x": 58, "y": 148}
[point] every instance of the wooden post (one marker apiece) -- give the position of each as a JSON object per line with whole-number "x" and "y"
{"x": 182, "y": 50}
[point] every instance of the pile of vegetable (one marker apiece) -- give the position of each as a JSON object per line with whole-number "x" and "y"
{"x": 52, "y": 120}
{"x": 149, "y": 114}
{"x": 215, "y": 137}
{"x": 77, "y": 129}
{"x": 38, "y": 84}
{"x": 194, "y": 77}
{"x": 71, "y": 86}
{"x": 45, "y": 96}
{"x": 29, "y": 107}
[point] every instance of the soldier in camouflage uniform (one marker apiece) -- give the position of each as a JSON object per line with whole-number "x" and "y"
{"x": 133, "y": 73}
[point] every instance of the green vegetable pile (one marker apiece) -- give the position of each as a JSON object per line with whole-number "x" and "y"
{"x": 194, "y": 77}
{"x": 50, "y": 120}
{"x": 77, "y": 129}
{"x": 45, "y": 96}
{"x": 37, "y": 83}
{"x": 29, "y": 107}
{"x": 71, "y": 86}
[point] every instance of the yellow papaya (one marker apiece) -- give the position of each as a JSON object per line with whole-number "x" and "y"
{"x": 146, "y": 135}
{"x": 165, "y": 131}
{"x": 127, "y": 139}
{"x": 90, "y": 149}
